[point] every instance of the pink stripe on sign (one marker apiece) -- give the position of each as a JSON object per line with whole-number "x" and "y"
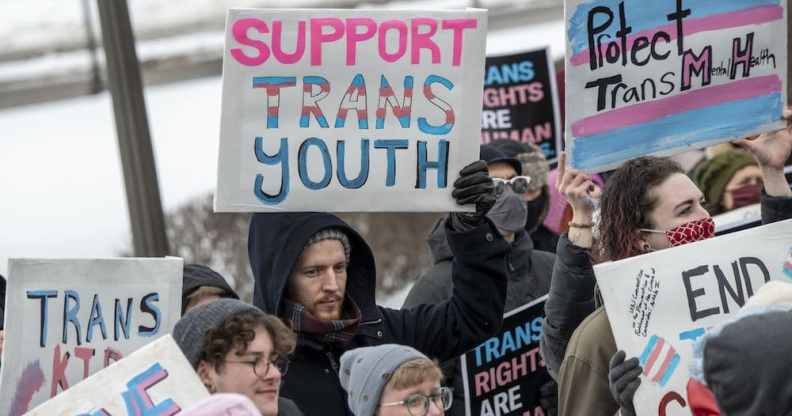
{"x": 660, "y": 373}
{"x": 752, "y": 16}
{"x": 687, "y": 101}
{"x": 652, "y": 358}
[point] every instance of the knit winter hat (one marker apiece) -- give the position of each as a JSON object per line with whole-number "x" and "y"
{"x": 713, "y": 175}
{"x": 365, "y": 372}
{"x": 191, "y": 329}
{"x": 332, "y": 234}
{"x": 534, "y": 164}
{"x": 196, "y": 276}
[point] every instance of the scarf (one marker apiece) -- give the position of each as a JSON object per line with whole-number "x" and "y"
{"x": 309, "y": 328}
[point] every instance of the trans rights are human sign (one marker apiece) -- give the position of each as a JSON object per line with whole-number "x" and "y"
{"x": 69, "y": 318}
{"x": 655, "y": 77}
{"x": 504, "y": 374}
{"x": 521, "y": 101}
{"x": 660, "y": 304}
{"x": 348, "y": 110}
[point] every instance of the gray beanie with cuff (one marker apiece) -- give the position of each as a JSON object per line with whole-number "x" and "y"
{"x": 191, "y": 329}
{"x": 331, "y": 234}
{"x": 365, "y": 372}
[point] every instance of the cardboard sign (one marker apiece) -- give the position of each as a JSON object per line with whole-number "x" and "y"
{"x": 659, "y": 304}
{"x": 154, "y": 380}
{"x": 521, "y": 101}
{"x": 657, "y": 77}
{"x": 68, "y": 319}
{"x": 348, "y": 110}
{"x": 503, "y": 375}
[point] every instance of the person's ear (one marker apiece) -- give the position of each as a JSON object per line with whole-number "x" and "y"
{"x": 208, "y": 376}
{"x": 640, "y": 244}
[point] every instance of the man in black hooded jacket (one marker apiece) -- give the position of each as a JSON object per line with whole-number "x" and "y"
{"x": 318, "y": 274}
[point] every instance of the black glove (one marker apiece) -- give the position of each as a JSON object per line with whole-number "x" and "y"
{"x": 624, "y": 379}
{"x": 474, "y": 185}
{"x": 549, "y": 398}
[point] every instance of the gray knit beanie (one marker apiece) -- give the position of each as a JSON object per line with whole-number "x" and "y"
{"x": 191, "y": 329}
{"x": 332, "y": 234}
{"x": 365, "y": 372}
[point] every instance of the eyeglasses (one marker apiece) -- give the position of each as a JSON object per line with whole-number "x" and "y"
{"x": 418, "y": 404}
{"x": 518, "y": 184}
{"x": 262, "y": 364}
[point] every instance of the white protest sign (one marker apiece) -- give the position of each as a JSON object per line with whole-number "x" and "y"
{"x": 68, "y": 319}
{"x": 655, "y": 77}
{"x": 154, "y": 380}
{"x": 659, "y": 304}
{"x": 348, "y": 110}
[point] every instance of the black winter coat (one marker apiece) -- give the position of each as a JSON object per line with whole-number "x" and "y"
{"x": 441, "y": 331}
{"x": 529, "y": 279}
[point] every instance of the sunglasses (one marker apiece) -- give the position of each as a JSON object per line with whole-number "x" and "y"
{"x": 518, "y": 184}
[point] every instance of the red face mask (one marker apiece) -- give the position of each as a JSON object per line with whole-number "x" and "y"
{"x": 689, "y": 232}
{"x": 746, "y": 195}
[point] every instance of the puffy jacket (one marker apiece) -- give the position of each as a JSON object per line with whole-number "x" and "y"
{"x": 443, "y": 330}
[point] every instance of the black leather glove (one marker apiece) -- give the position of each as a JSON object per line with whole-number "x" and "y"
{"x": 624, "y": 379}
{"x": 549, "y": 398}
{"x": 474, "y": 185}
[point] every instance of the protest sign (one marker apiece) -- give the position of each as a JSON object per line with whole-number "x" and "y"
{"x": 348, "y": 110}
{"x": 154, "y": 380}
{"x": 502, "y": 376}
{"x": 68, "y": 319}
{"x": 521, "y": 101}
{"x": 657, "y": 77}
{"x": 660, "y": 303}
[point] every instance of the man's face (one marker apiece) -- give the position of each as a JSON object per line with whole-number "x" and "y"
{"x": 258, "y": 382}
{"x": 319, "y": 279}
{"x": 427, "y": 388}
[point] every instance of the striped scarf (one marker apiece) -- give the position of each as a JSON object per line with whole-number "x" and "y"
{"x": 309, "y": 328}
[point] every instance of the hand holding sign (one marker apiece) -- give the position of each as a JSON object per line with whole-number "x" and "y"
{"x": 771, "y": 151}
{"x": 624, "y": 380}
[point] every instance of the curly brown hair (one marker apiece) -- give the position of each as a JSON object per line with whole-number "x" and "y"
{"x": 627, "y": 202}
{"x": 238, "y": 330}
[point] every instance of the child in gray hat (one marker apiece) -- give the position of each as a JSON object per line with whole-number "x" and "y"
{"x": 393, "y": 380}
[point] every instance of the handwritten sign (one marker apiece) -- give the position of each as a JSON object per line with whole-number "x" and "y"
{"x": 657, "y": 77}
{"x": 348, "y": 110}
{"x": 68, "y": 319}
{"x": 521, "y": 101}
{"x": 503, "y": 375}
{"x": 659, "y": 304}
{"x": 154, "y": 380}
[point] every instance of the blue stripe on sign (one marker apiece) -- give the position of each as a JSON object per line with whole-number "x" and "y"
{"x": 670, "y": 371}
{"x": 645, "y": 15}
{"x": 648, "y": 350}
{"x": 735, "y": 119}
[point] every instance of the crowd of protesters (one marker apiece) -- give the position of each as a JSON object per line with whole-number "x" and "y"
{"x": 314, "y": 342}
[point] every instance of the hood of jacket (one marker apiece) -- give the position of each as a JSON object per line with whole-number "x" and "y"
{"x": 276, "y": 241}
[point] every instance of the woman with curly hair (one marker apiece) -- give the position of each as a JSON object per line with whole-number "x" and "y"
{"x": 648, "y": 204}
{"x": 236, "y": 348}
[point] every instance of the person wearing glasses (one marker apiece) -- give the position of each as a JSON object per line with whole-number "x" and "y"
{"x": 393, "y": 380}
{"x": 529, "y": 270}
{"x": 234, "y": 347}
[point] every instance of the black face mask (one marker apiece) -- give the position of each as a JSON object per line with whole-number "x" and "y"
{"x": 535, "y": 210}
